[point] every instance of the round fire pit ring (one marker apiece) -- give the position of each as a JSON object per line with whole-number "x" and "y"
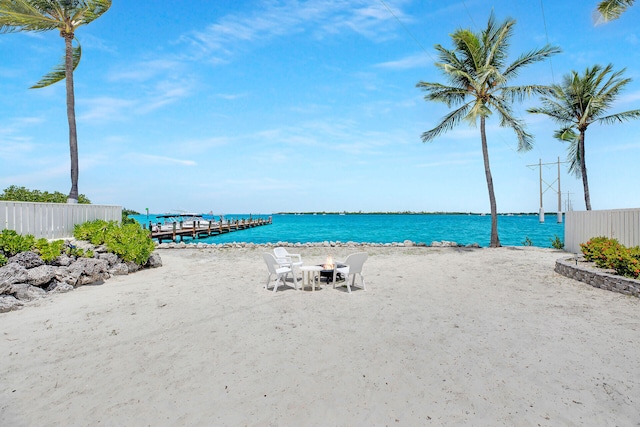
{"x": 328, "y": 273}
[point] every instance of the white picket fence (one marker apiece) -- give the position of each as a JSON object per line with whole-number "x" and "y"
{"x": 620, "y": 224}
{"x": 52, "y": 220}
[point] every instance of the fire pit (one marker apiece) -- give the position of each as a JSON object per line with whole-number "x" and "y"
{"x": 327, "y": 270}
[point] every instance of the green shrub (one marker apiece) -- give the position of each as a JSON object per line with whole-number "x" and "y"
{"x": 599, "y": 249}
{"x": 12, "y": 243}
{"x": 77, "y": 252}
{"x": 609, "y": 253}
{"x": 125, "y": 216}
{"x": 557, "y": 243}
{"x": 626, "y": 264}
{"x": 527, "y": 242}
{"x": 49, "y": 250}
{"x": 130, "y": 242}
{"x": 94, "y": 231}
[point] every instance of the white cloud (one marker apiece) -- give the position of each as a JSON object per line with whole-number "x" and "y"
{"x": 152, "y": 159}
{"x": 630, "y": 98}
{"x": 417, "y": 60}
{"x": 143, "y": 71}
{"x": 13, "y": 146}
{"x": 257, "y": 185}
{"x": 13, "y": 142}
{"x": 104, "y": 108}
{"x": 448, "y": 163}
{"x": 89, "y": 41}
{"x": 204, "y": 145}
{"x": 114, "y": 109}
{"x": 38, "y": 175}
{"x": 166, "y": 93}
{"x": 318, "y": 17}
{"x": 232, "y": 96}
{"x": 632, "y": 39}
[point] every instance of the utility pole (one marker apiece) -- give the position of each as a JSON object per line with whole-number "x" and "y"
{"x": 541, "y": 211}
{"x": 567, "y": 203}
{"x": 549, "y": 186}
{"x": 559, "y": 196}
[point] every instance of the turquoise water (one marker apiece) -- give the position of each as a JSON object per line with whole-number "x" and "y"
{"x": 462, "y": 229}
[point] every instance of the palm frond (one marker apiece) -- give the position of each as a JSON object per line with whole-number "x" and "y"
{"x": 479, "y": 109}
{"x": 447, "y": 123}
{"x": 520, "y": 93}
{"x": 612, "y": 9}
{"x": 565, "y": 134}
{"x": 92, "y": 10}
{"x": 507, "y": 119}
{"x": 573, "y": 156}
{"x": 448, "y": 56}
{"x": 447, "y": 94}
{"x": 497, "y": 41}
{"x": 24, "y": 15}
{"x": 470, "y": 48}
{"x": 59, "y": 71}
{"x": 46, "y": 15}
{"x": 530, "y": 57}
{"x": 555, "y": 112}
{"x": 454, "y": 68}
{"x": 619, "y": 117}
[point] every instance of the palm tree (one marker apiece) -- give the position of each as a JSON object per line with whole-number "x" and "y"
{"x": 65, "y": 16}
{"x": 612, "y": 9}
{"x": 580, "y": 101}
{"x": 478, "y": 73}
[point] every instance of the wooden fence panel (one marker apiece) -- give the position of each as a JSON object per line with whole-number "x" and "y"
{"x": 620, "y": 224}
{"x": 52, "y": 220}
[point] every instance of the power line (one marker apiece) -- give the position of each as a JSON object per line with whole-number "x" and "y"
{"x": 407, "y": 30}
{"x": 544, "y": 20}
{"x": 470, "y": 17}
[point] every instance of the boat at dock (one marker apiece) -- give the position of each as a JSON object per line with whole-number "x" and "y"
{"x": 184, "y": 220}
{"x": 195, "y": 226}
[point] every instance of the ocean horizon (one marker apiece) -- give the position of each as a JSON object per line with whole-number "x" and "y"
{"x": 420, "y": 228}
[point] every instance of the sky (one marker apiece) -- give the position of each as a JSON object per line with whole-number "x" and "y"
{"x": 262, "y": 106}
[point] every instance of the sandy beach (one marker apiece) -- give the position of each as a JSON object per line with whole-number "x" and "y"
{"x": 442, "y": 337}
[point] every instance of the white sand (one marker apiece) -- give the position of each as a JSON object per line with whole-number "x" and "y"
{"x": 485, "y": 337}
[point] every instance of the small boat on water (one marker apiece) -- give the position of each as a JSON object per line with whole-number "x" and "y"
{"x": 182, "y": 221}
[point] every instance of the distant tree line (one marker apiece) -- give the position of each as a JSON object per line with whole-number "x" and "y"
{"x": 407, "y": 213}
{"x": 23, "y": 194}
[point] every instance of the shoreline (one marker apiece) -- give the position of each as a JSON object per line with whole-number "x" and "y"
{"x": 325, "y": 244}
{"x": 422, "y": 229}
{"x": 442, "y": 336}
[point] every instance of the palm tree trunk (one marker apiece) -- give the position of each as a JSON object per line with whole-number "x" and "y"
{"x": 583, "y": 168}
{"x": 495, "y": 241}
{"x": 71, "y": 117}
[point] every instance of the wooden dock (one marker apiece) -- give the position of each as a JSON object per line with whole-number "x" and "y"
{"x": 206, "y": 228}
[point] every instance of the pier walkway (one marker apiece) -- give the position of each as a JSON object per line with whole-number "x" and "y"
{"x": 203, "y": 228}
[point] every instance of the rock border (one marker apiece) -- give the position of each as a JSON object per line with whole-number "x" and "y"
{"x": 26, "y": 277}
{"x": 325, "y": 244}
{"x": 578, "y": 269}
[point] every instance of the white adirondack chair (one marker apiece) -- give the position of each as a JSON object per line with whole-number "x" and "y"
{"x": 354, "y": 263}
{"x": 280, "y": 272}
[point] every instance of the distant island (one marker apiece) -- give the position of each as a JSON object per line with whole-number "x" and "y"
{"x": 410, "y": 213}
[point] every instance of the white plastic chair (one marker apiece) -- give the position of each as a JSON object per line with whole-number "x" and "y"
{"x": 285, "y": 259}
{"x": 354, "y": 263}
{"x": 280, "y": 272}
